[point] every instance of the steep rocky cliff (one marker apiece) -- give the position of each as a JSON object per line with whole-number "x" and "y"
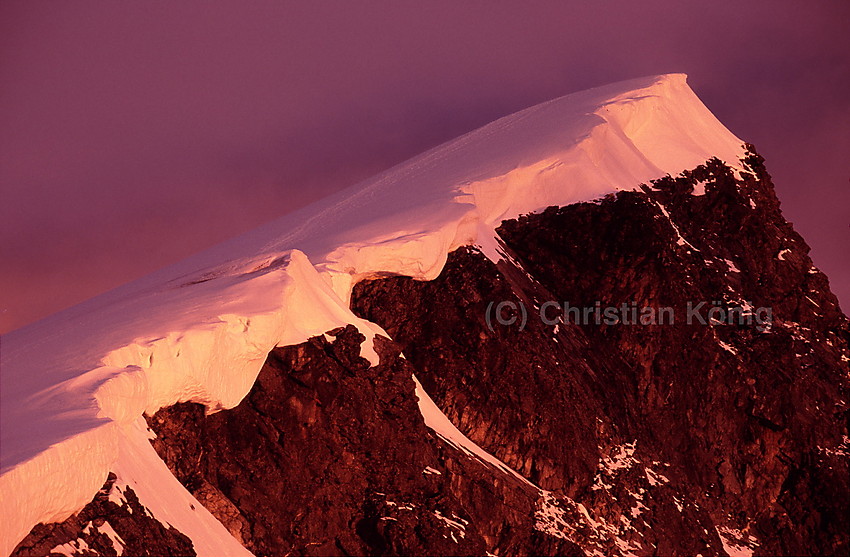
{"x": 740, "y": 425}
{"x": 660, "y": 432}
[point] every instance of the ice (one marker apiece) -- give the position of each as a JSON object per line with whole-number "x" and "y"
{"x": 140, "y": 468}
{"x": 71, "y": 549}
{"x": 680, "y": 240}
{"x": 736, "y": 543}
{"x": 442, "y": 426}
{"x": 117, "y": 543}
{"x": 727, "y": 347}
{"x": 731, "y": 266}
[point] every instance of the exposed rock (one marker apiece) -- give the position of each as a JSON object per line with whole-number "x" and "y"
{"x": 114, "y": 523}
{"x": 745, "y": 424}
{"x": 327, "y": 455}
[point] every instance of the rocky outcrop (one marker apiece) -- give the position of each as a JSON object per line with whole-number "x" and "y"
{"x": 114, "y": 523}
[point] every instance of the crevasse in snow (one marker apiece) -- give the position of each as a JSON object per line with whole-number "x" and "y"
{"x": 75, "y": 384}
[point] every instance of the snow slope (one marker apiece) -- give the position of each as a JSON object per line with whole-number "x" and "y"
{"x": 74, "y": 384}
{"x": 442, "y": 426}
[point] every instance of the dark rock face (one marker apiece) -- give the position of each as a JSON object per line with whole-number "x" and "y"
{"x": 746, "y": 424}
{"x": 328, "y": 456}
{"x": 107, "y": 526}
{"x": 741, "y": 414}
{"x": 322, "y": 457}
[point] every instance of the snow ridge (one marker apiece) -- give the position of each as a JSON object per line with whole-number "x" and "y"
{"x": 75, "y": 384}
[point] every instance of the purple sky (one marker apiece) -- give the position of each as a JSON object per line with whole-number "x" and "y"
{"x": 133, "y": 134}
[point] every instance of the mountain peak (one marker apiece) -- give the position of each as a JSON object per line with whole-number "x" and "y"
{"x": 200, "y": 330}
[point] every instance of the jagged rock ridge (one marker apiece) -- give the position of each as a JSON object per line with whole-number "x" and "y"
{"x": 114, "y": 523}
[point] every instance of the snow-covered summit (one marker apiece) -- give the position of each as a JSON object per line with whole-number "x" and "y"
{"x": 74, "y": 385}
